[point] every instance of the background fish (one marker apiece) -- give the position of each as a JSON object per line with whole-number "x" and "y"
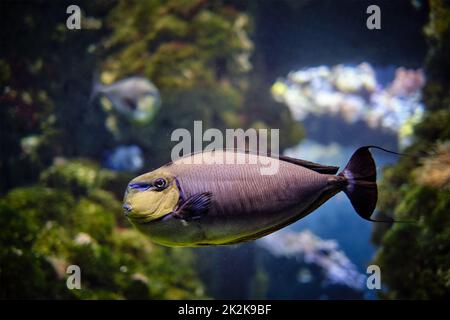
{"x": 135, "y": 97}
{"x": 203, "y": 204}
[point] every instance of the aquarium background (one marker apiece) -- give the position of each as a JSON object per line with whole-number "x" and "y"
{"x": 84, "y": 111}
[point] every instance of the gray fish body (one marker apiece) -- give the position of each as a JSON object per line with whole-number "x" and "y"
{"x": 129, "y": 95}
{"x": 245, "y": 204}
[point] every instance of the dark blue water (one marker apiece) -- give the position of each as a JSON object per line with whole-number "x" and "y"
{"x": 336, "y": 219}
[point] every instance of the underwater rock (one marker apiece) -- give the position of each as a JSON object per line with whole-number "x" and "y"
{"x": 354, "y": 94}
{"x": 29, "y": 144}
{"x": 59, "y": 266}
{"x": 83, "y": 239}
{"x": 350, "y": 79}
{"x": 242, "y": 58}
{"x": 407, "y": 82}
{"x": 435, "y": 169}
{"x": 125, "y": 158}
{"x": 306, "y": 247}
{"x": 80, "y": 176}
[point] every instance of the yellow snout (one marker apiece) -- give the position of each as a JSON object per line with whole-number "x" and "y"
{"x": 144, "y": 206}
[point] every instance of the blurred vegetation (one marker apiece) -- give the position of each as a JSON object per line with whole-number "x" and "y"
{"x": 69, "y": 218}
{"x": 58, "y": 206}
{"x": 415, "y": 257}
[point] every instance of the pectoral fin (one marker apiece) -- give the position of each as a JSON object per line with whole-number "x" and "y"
{"x": 194, "y": 207}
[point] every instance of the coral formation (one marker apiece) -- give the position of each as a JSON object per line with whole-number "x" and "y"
{"x": 353, "y": 93}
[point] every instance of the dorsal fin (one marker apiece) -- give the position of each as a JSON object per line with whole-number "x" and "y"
{"x": 320, "y": 168}
{"x": 311, "y": 165}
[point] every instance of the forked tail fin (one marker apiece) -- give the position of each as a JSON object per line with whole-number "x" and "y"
{"x": 361, "y": 187}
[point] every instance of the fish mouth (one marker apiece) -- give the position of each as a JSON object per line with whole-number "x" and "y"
{"x": 127, "y": 208}
{"x": 141, "y": 217}
{"x": 146, "y": 218}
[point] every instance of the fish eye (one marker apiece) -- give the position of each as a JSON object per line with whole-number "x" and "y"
{"x": 140, "y": 186}
{"x": 160, "y": 183}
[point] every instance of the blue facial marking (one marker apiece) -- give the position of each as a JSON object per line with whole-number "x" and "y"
{"x": 140, "y": 186}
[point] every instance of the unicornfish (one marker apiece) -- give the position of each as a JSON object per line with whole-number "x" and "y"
{"x": 192, "y": 202}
